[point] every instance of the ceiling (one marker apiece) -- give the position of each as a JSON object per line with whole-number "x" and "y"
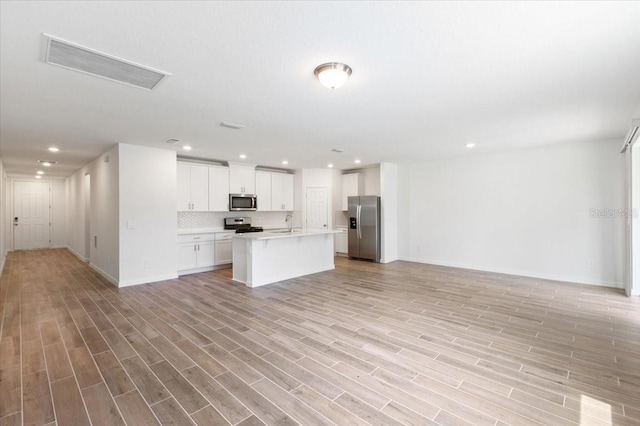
{"x": 427, "y": 79}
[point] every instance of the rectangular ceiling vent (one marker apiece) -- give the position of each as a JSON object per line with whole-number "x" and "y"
{"x": 79, "y": 58}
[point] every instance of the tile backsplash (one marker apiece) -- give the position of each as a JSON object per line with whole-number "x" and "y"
{"x": 216, "y": 220}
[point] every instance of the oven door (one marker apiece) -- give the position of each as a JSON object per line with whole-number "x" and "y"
{"x": 243, "y": 202}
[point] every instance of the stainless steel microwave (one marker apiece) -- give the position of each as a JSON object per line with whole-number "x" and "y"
{"x": 243, "y": 202}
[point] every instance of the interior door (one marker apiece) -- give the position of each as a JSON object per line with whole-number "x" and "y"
{"x": 31, "y": 215}
{"x": 317, "y": 208}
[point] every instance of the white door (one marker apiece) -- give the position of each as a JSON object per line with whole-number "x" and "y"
{"x": 31, "y": 212}
{"x": 317, "y": 208}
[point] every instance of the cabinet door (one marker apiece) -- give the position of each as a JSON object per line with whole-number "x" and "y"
{"x": 183, "y": 196}
{"x": 206, "y": 254}
{"x": 187, "y": 256}
{"x": 341, "y": 243}
{"x": 282, "y": 191}
{"x": 199, "y": 185}
{"x": 224, "y": 252}
{"x": 235, "y": 179}
{"x": 249, "y": 179}
{"x": 352, "y": 185}
{"x": 242, "y": 179}
{"x": 264, "y": 191}
{"x": 218, "y": 189}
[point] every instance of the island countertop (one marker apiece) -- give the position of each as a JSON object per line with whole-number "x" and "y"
{"x": 270, "y": 235}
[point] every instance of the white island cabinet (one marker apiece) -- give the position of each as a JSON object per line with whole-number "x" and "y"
{"x": 267, "y": 257}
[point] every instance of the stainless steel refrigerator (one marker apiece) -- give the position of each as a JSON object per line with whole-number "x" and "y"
{"x": 364, "y": 228}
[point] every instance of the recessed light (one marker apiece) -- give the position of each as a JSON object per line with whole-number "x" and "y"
{"x": 38, "y": 177}
{"x": 187, "y": 148}
{"x": 46, "y": 164}
{"x": 285, "y": 162}
{"x": 357, "y": 161}
{"x": 243, "y": 156}
{"x": 470, "y": 145}
{"x": 40, "y": 172}
{"x": 53, "y": 149}
{"x": 330, "y": 165}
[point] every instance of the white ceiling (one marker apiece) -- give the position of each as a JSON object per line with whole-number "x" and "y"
{"x": 427, "y": 79}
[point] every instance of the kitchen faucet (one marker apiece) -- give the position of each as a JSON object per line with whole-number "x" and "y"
{"x": 289, "y": 219}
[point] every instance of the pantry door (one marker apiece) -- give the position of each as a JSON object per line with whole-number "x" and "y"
{"x": 31, "y": 215}
{"x": 317, "y": 208}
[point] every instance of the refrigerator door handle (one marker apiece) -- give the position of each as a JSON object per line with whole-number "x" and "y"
{"x": 359, "y": 229}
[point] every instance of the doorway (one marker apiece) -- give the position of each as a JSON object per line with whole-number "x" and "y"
{"x": 31, "y": 215}
{"x": 317, "y": 208}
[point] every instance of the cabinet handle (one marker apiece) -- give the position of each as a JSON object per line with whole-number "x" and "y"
{"x": 194, "y": 247}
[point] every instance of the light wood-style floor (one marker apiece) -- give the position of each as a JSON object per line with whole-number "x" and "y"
{"x": 401, "y": 343}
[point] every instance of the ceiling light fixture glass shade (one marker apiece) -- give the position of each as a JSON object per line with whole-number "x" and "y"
{"x": 333, "y": 74}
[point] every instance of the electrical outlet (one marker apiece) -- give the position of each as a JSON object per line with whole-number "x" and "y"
{"x": 147, "y": 264}
{"x": 589, "y": 263}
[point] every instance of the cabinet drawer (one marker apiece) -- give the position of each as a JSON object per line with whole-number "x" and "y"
{"x": 195, "y": 237}
{"x": 220, "y": 236}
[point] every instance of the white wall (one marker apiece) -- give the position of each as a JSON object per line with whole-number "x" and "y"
{"x": 526, "y": 212}
{"x": 328, "y": 178}
{"x": 76, "y": 218}
{"x": 58, "y": 214}
{"x": 635, "y": 219}
{"x": 147, "y": 212}
{"x": 3, "y": 216}
{"x": 104, "y": 214}
{"x": 388, "y": 178}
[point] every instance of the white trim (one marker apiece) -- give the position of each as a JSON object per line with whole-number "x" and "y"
{"x": 104, "y": 274}
{"x": 147, "y": 280}
{"x": 76, "y": 254}
{"x": 515, "y": 272}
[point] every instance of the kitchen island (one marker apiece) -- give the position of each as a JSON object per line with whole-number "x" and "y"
{"x": 266, "y": 257}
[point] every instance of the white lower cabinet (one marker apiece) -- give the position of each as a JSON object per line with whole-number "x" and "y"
{"x": 224, "y": 248}
{"x": 342, "y": 243}
{"x": 196, "y": 253}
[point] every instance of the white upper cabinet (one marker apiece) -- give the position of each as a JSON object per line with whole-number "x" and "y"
{"x": 263, "y": 190}
{"x": 193, "y": 187}
{"x": 242, "y": 179}
{"x": 352, "y": 185}
{"x": 218, "y": 189}
{"x": 274, "y": 191}
{"x": 281, "y": 191}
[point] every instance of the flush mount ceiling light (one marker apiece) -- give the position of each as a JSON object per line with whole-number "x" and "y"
{"x": 40, "y": 172}
{"x": 187, "y": 147}
{"x": 285, "y": 162}
{"x": 470, "y": 145}
{"x": 357, "y": 161}
{"x": 243, "y": 156}
{"x": 38, "y": 177}
{"x": 330, "y": 165}
{"x": 333, "y": 74}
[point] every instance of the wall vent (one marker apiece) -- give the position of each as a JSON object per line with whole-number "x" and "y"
{"x": 79, "y": 58}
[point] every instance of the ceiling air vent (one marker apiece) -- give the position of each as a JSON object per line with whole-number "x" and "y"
{"x": 78, "y": 58}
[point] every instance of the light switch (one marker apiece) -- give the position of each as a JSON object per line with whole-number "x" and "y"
{"x": 132, "y": 224}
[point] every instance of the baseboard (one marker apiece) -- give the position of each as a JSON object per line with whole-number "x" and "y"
{"x": 3, "y": 256}
{"x": 104, "y": 274}
{"x": 76, "y": 254}
{"x": 149, "y": 280}
{"x": 529, "y": 274}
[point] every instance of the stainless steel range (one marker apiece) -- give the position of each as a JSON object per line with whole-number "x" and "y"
{"x": 241, "y": 225}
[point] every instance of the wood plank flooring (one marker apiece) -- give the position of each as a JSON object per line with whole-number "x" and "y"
{"x": 394, "y": 344}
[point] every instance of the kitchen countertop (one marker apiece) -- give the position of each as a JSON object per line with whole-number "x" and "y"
{"x": 187, "y": 231}
{"x": 266, "y": 235}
